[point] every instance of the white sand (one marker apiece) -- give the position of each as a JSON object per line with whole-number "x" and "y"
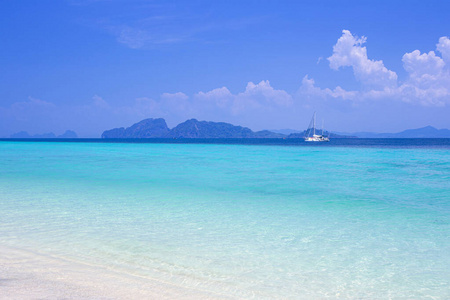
{"x": 27, "y": 275}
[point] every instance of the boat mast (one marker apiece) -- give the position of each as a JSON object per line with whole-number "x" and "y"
{"x": 314, "y": 124}
{"x": 322, "y": 126}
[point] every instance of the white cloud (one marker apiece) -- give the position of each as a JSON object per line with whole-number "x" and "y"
{"x": 222, "y": 92}
{"x": 423, "y": 67}
{"x": 266, "y": 93}
{"x": 444, "y": 47}
{"x": 255, "y": 97}
{"x": 100, "y": 102}
{"x": 176, "y": 104}
{"x": 427, "y": 82}
{"x": 309, "y": 89}
{"x": 221, "y": 97}
{"x": 349, "y": 52}
{"x": 179, "y": 96}
{"x": 261, "y": 96}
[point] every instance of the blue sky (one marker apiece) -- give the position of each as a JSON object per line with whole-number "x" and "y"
{"x": 91, "y": 65}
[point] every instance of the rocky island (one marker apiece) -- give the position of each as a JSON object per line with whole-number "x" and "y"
{"x": 157, "y": 128}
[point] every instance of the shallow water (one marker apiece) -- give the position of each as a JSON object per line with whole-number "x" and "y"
{"x": 245, "y": 221}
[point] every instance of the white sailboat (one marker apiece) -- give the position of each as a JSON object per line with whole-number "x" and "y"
{"x": 311, "y": 136}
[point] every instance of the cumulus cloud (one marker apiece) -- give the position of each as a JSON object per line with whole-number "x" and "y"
{"x": 266, "y": 93}
{"x": 444, "y": 47}
{"x": 309, "y": 88}
{"x": 176, "y": 103}
{"x": 427, "y": 81}
{"x": 257, "y": 97}
{"x": 349, "y": 52}
{"x": 179, "y": 96}
{"x": 220, "y": 97}
{"x": 260, "y": 96}
{"x": 423, "y": 66}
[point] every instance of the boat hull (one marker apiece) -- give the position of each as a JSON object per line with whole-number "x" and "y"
{"x": 317, "y": 139}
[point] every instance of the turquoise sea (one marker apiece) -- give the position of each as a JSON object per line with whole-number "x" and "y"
{"x": 343, "y": 220}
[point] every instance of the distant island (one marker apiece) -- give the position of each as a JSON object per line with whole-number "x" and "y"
{"x": 69, "y": 134}
{"x": 157, "y": 128}
{"x": 424, "y": 132}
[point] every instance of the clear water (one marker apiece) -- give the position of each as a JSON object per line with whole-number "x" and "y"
{"x": 275, "y": 222}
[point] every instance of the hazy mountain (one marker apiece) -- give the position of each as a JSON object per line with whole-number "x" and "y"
{"x": 424, "y": 132}
{"x": 20, "y": 135}
{"x": 50, "y": 135}
{"x": 267, "y": 134}
{"x": 69, "y": 134}
{"x": 26, "y": 135}
{"x": 285, "y": 131}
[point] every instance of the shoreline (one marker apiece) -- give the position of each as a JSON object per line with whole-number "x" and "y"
{"x": 29, "y": 275}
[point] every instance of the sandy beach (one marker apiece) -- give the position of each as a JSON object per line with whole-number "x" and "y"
{"x": 28, "y": 275}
